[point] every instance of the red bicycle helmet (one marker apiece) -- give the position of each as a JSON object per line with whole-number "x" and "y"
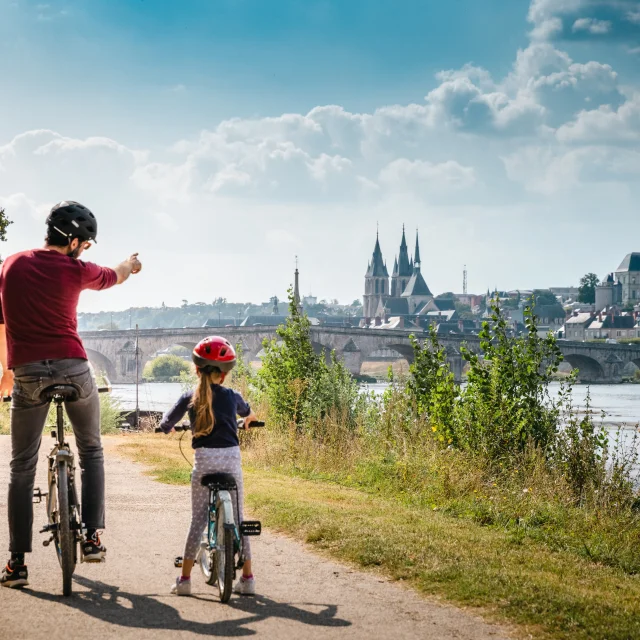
{"x": 214, "y": 352}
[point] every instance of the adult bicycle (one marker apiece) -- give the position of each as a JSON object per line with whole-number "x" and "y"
{"x": 63, "y": 507}
{"x": 221, "y": 552}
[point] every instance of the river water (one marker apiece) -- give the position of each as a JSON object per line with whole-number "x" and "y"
{"x": 620, "y": 402}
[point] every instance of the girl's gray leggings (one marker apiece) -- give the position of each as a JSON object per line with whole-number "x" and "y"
{"x": 206, "y": 461}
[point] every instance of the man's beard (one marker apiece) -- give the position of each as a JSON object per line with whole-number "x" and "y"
{"x": 75, "y": 253}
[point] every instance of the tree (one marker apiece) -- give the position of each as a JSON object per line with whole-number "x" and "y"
{"x": 289, "y": 365}
{"x": 169, "y": 366}
{"x": 544, "y": 297}
{"x": 4, "y": 224}
{"x": 587, "y": 289}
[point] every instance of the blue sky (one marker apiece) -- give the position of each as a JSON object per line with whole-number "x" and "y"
{"x": 235, "y": 134}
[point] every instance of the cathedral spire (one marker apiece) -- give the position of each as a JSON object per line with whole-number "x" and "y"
{"x": 377, "y": 267}
{"x": 296, "y": 289}
{"x": 404, "y": 264}
{"x": 416, "y": 257}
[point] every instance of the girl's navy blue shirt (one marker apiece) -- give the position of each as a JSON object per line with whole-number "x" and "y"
{"x": 227, "y": 405}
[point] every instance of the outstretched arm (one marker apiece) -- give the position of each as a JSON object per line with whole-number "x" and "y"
{"x": 176, "y": 413}
{"x": 129, "y": 267}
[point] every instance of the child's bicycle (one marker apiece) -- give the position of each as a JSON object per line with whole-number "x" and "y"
{"x": 221, "y": 551}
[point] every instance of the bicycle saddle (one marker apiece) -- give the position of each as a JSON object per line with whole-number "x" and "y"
{"x": 67, "y": 392}
{"x": 219, "y": 481}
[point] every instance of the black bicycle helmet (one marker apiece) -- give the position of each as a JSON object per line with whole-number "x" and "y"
{"x": 73, "y": 220}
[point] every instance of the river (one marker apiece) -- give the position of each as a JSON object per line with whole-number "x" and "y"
{"x": 620, "y": 402}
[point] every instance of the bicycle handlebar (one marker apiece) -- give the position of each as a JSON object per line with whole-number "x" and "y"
{"x": 186, "y": 427}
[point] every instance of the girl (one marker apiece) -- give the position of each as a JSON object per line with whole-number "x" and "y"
{"x": 212, "y": 411}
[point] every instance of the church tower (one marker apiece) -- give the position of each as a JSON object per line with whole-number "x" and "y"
{"x": 402, "y": 271}
{"x": 416, "y": 292}
{"x": 376, "y": 282}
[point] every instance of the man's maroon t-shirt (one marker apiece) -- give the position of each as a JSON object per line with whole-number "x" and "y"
{"x": 39, "y": 293}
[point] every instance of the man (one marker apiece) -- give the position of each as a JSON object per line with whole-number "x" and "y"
{"x": 39, "y": 347}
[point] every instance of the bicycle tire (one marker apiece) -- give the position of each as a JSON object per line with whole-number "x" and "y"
{"x": 224, "y": 559}
{"x": 66, "y": 539}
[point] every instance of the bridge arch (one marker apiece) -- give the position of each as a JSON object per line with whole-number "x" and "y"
{"x": 589, "y": 369}
{"x": 101, "y": 364}
{"x": 404, "y": 350}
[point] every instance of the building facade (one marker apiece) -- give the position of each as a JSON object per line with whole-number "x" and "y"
{"x": 622, "y": 287}
{"x": 405, "y": 294}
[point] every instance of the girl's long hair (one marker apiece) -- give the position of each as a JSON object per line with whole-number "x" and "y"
{"x": 202, "y": 402}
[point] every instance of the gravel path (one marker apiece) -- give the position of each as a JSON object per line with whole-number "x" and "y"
{"x": 301, "y": 594}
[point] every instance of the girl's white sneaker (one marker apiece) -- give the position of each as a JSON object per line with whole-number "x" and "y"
{"x": 245, "y": 587}
{"x": 181, "y": 587}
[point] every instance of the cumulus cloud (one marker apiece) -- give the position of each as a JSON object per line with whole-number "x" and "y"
{"x": 553, "y": 170}
{"x": 427, "y": 177}
{"x": 596, "y": 27}
{"x": 605, "y": 124}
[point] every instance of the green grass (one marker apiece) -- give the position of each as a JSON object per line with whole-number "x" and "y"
{"x": 507, "y": 576}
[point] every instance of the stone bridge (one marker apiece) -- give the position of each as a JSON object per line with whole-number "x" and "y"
{"x": 114, "y": 352}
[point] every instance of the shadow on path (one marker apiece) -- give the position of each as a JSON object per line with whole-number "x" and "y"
{"x": 111, "y": 605}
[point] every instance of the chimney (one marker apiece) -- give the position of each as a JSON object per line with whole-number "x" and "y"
{"x": 378, "y": 321}
{"x": 461, "y": 325}
{"x": 401, "y": 323}
{"x": 600, "y": 316}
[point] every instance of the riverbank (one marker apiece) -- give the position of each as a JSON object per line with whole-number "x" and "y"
{"x": 548, "y": 589}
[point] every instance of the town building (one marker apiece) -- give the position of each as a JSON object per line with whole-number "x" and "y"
{"x": 575, "y": 327}
{"x": 614, "y": 327}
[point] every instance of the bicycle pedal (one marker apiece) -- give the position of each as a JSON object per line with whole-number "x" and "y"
{"x": 251, "y": 528}
{"x": 38, "y": 495}
{"x": 46, "y": 543}
{"x": 178, "y": 562}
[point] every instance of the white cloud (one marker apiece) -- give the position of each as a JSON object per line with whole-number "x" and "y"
{"x": 427, "y": 177}
{"x": 633, "y": 16}
{"x": 605, "y": 124}
{"x": 593, "y": 26}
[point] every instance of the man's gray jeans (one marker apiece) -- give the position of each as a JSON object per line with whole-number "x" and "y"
{"x": 28, "y": 418}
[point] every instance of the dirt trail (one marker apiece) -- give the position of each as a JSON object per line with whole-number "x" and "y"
{"x": 127, "y": 597}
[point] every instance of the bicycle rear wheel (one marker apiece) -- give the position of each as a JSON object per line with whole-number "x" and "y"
{"x": 224, "y": 558}
{"x": 65, "y": 540}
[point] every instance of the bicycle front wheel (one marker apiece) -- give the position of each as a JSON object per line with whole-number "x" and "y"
{"x": 224, "y": 558}
{"x": 206, "y": 561}
{"x": 65, "y": 541}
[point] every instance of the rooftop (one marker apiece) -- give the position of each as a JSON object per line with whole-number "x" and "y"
{"x": 630, "y": 263}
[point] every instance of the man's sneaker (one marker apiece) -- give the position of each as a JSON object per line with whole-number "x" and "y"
{"x": 93, "y": 550}
{"x": 245, "y": 586}
{"x": 14, "y": 575}
{"x": 182, "y": 587}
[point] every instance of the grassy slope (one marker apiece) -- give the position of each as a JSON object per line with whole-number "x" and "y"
{"x": 550, "y": 594}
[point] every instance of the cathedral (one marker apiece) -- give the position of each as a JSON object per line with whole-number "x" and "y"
{"x": 404, "y": 295}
